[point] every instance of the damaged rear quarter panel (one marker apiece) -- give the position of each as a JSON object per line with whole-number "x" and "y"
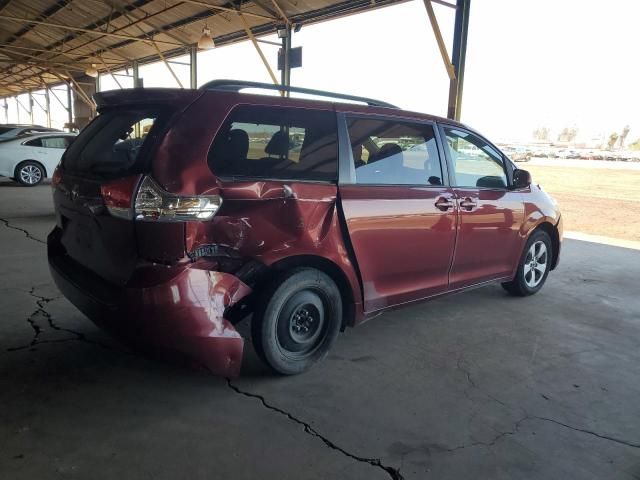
{"x": 261, "y": 221}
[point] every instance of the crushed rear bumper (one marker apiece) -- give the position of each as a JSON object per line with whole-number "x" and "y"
{"x": 182, "y": 315}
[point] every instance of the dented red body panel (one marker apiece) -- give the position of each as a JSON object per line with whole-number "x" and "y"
{"x": 164, "y": 294}
{"x": 182, "y": 314}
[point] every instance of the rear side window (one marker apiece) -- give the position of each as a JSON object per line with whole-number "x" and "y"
{"x": 394, "y": 153}
{"x": 276, "y": 143}
{"x": 36, "y": 142}
{"x": 55, "y": 142}
{"x": 112, "y": 143}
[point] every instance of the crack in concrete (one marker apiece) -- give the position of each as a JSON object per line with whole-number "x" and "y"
{"x": 465, "y": 371}
{"x": 41, "y": 310}
{"x": 589, "y": 432}
{"x": 543, "y": 419}
{"x": 473, "y": 384}
{"x": 394, "y": 473}
{"x": 495, "y": 440}
{"x": 27, "y": 234}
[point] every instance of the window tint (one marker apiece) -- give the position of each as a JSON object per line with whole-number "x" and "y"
{"x": 280, "y": 143}
{"x": 475, "y": 162}
{"x": 54, "y": 142}
{"x": 36, "y": 142}
{"x": 394, "y": 153}
{"x": 112, "y": 142}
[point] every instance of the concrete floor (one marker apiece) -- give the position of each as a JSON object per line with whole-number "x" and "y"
{"x": 478, "y": 385}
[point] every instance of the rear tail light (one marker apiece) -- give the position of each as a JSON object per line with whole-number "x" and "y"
{"x": 153, "y": 203}
{"x": 118, "y": 196}
{"x": 56, "y": 178}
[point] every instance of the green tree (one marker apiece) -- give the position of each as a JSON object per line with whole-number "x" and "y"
{"x": 613, "y": 138}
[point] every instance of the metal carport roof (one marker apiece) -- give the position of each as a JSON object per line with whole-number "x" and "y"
{"x": 41, "y": 40}
{"x": 45, "y": 42}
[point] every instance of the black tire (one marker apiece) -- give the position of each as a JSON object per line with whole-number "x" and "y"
{"x": 297, "y": 320}
{"x": 527, "y": 282}
{"x": 29, "y": 173}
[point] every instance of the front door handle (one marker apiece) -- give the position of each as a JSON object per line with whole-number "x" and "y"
{"x": 468, "y": 204}
{"x": 444, "y": 204}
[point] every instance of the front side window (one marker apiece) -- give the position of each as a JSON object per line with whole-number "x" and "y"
{"x": 276, "y": 143}
{"x": 388, "y": 152}
{"x": 476, "y": 164}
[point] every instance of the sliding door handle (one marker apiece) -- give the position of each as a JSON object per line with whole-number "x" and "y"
{"x": 444, "y": 204}
{"x": 468, "y": 204}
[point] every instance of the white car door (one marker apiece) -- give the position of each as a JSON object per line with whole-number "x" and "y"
{"x": 9, "y": 152}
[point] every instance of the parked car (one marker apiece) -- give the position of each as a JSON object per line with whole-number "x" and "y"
{"x": 13, "y": 130}
{"x": 520, "y": 154}
{"x": 29, "y": 160}
{"x": 170, "y": 239}
{"x": 540, "y": 152}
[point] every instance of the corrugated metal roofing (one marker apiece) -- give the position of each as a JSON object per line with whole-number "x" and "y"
{"x": 44, "y": 41}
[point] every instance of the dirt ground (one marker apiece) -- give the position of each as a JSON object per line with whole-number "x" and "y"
{"x": 597, "y": 201}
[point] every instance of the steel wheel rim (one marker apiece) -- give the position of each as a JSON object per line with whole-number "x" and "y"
{"x": 305, "y": 308}
{"x": 535, "y": 264}
{"x": 30, "y": 174}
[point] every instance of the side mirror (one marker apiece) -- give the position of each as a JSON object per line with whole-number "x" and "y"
{"x": 521, "y": 179}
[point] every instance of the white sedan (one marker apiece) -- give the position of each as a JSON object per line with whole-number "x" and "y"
{"x": 28, "y": 160}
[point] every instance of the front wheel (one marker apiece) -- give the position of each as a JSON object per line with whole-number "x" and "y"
{"x": 534, "y": 266}
{"x": 29, "y": 173}
{"x": 297, "y": 321}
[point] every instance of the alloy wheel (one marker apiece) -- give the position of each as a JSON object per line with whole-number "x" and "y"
{"x": 30, "y": 174}
{"x": 535, "y": 264}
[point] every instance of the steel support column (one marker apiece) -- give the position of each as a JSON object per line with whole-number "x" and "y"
{"x": 285, "y": 76}
{"x": 458, "y": 58}
{"x": 47, "y": 104}
{"x": 136, "y": 75}
{"x": 6, "y": 110}
{"x": 193, "y": 67}
{"x": 30, "y": 99}
{"x": 69, "y": 106}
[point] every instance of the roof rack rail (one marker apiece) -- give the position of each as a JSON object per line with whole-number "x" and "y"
{"x": 237, "y": 85}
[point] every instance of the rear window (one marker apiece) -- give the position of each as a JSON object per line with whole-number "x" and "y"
{"x": 112, "y": 143}
{"x": 276, "y": 143}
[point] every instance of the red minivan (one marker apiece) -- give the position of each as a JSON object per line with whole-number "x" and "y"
{"x": 181, "y": 212}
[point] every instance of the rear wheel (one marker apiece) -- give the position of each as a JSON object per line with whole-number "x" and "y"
{"x": 29, "y": 173}
{"x": 297, "y": 321}
{"x": 534, "y": 266}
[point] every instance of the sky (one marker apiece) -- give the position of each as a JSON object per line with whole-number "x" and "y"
{"x": 530, "y": 63}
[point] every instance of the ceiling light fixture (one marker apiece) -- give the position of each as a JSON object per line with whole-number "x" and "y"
{"x": 205, "y": 42}
{"x": 91, "y": 71}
